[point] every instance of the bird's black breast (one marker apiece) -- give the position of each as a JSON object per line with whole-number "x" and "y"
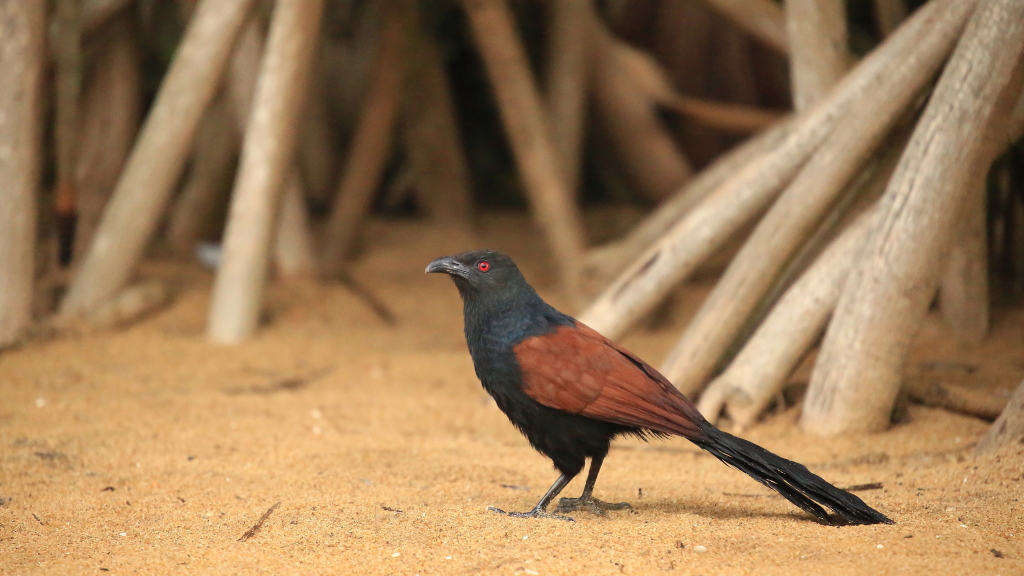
{"x": 568, "y": 439}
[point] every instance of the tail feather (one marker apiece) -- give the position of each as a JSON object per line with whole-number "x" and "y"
{"x": 792, "y": 480}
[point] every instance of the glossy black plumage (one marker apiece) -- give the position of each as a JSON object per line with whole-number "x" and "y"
{"x": 570, "y": 391}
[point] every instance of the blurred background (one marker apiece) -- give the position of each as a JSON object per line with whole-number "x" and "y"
{"x": 648, "y": 143}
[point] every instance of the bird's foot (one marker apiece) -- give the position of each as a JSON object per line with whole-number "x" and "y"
{"x": 590, "y": 504}
{"x": 535, "y": 513}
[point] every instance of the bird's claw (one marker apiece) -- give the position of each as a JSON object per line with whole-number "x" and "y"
{"x": 535, "y": 513}
{"x": 591, "y": 504}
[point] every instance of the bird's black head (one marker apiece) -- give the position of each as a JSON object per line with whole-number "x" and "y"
{"x": 482, "y": 274}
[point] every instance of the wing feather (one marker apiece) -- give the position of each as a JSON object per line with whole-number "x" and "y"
{"x": 576, "y": 370}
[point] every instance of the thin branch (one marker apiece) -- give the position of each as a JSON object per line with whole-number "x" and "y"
{"x": 570, "y": 52}
{"x": 727, "y": 117}
{"x": 370, "y": 145}
{"x": 267, "y": 153}
{"x": 293, "y": 253}
{"x": 111, "y": 111}
{"x": 525, "y": 122}
{"x": 433, "y": 144}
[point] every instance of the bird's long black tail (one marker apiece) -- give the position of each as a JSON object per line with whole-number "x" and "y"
{"x": 793, "y": 480}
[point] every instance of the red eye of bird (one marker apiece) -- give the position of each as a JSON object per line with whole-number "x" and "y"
{"x": 483, "y": 266}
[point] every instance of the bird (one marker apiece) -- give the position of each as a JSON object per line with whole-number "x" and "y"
{"x": 571, "y": 391}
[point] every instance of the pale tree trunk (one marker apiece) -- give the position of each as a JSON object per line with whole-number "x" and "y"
{"x": 963, "y": 295}
{"x": 22, "y": 61}
{"x": 801, "y": 207}
{"x": 1008, "y": 429}
{"x": 707, "y": 227}
{"x": 293, "y": 253}
{"x": 155, "y": 164}
{"x": 759, "y": 372}
{"x": 762, "y": 19}
{"x": 625, "y": 88}
{"x": 430, "y": 131}
{"x": 857, "y": 375}
{"x": 791, "y": 318}
{"x": 529, "y": 134}
{"x": 818, "y": 52}
{"x": 268, "y": 150}
{"x": 209, "y": 178}
{"x": 371, "y": 144}
{"x": 569, "y": 63}
{"x": 110, "y": 120}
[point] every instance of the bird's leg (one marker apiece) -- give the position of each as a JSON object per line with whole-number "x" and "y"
{"x": 540, "y": 510}
{"x": 586, "y": 501}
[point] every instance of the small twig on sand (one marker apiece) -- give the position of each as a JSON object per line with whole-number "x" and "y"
{"x": 376, "y": 305}
{"x": 864, "y": 487}
{"x": 259, "y": 523}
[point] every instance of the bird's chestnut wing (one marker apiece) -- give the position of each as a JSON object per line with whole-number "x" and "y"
{"x": 576, "y": 370}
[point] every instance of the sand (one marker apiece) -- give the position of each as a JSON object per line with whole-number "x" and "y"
{"x": 147, "y": 450}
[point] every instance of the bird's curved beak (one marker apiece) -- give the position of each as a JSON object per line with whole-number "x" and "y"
{"x": 447, "y": 265}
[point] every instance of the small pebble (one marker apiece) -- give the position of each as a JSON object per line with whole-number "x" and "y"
{"x": 40, "y": 402}
{"x": 880, "y": 546}
{"x": 525, "y": 537}
{"x": 124, "y": 533}
{"x": 396, "y": 554}
{"x": 699, "y": 549}
{"x": 447, "y": 557}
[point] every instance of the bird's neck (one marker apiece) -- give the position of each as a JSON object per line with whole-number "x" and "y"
{"x": 501, "y": 323}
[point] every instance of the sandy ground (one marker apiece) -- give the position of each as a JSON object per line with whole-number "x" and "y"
{"x": 147, "y": 450}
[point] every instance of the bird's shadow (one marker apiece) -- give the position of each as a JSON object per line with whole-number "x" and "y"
{"x": 712, "y": 512}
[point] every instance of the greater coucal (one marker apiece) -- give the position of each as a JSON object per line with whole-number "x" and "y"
{"x": 570, "y": 390}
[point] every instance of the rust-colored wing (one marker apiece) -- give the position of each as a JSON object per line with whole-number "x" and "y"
{"x": 575, "y": 369}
